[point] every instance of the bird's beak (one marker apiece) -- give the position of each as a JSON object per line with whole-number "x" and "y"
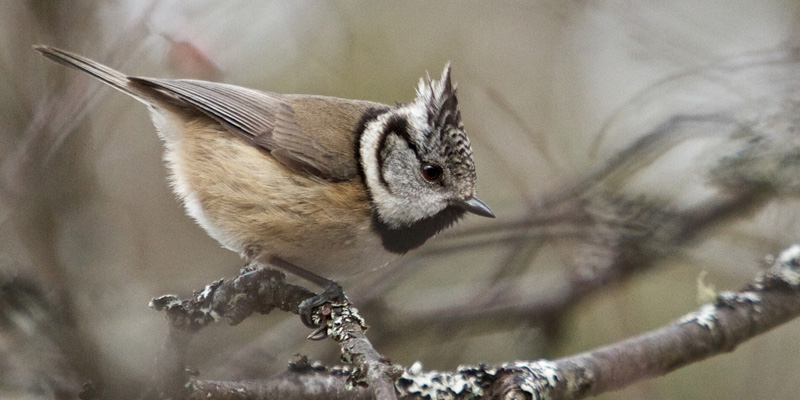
{"x": 477, "y": 207}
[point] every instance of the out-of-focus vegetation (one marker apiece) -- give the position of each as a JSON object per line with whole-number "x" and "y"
{"x": 658, "y": 110}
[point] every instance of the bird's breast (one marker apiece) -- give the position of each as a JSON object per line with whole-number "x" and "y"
{"x": 247, "y": 200}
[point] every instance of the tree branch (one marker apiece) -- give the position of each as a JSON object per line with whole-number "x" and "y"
{"x": 262, "y": 290}
{"x": 619, "y": 238}
{"x": 735, "y": 317}
{"x": 769, "y": 301}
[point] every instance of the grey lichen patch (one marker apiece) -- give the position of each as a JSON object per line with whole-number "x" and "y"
{"x": 208, "y": 290}
{"x": 165, "y": 302}
{"x": 197, "y": 312}
{"x": 787, "y": 266}
{"x": 342, "y": 314}
{"x": 785, "y": 269}
{"x": 536, "y": 379}
{"x": 464, "y": 383}
{"x": 214, "y": 315}
{"x": 301, "y": 363}
{"x": 706, "y": 316}
{"x": 540, "y": 377}
{"x": 730, "y": 298}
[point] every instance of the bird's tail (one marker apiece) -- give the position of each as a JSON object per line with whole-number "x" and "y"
{"x": 112, "y": 77}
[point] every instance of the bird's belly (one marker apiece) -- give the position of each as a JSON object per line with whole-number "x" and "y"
{"x": 254, "y": 205}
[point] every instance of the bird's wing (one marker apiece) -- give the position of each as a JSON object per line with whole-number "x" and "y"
{"x": 313, "y": 134}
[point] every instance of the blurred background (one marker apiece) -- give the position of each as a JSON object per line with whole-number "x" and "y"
{"x": 627, "y": 147}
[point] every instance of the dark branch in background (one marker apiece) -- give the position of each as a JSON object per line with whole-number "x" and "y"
{"x": 619, "y": 238}
{"x": 769, "y": 301}
{"x": 261, "y": 291}
{"x": 37, "y": 341}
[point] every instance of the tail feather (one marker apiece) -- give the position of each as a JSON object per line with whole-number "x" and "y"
{"x": 112, "y": 77}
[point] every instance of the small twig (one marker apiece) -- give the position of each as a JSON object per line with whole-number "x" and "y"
{"x": 255, "y": 290}
{"x": 348, "y": 329}
{"x": 304, "y": 380}
{"x": 630, "y": 239}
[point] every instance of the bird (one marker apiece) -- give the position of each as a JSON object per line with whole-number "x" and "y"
{"x": 318, "y": 186}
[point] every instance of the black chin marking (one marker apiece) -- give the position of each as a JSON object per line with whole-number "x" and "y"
{"x": 402, "y": 240}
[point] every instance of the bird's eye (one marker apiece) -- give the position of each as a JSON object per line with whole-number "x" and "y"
{"x": 431, "y": 172}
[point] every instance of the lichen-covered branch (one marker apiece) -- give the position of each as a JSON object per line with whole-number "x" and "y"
{"x": 255, "y": 290}
{"x": 348, "y": 329}
{"x": 303, "y": 380}
{"x": 262, "y": 290}
{"x": 769, "y": 301}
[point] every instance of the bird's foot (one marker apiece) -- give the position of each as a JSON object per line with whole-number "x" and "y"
{"x": 314, "y": 310}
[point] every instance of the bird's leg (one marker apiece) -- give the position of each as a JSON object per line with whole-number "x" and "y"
{"x": 332, "y": 292}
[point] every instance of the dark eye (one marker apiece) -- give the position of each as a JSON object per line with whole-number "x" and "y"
{"x": 431, "y": 172}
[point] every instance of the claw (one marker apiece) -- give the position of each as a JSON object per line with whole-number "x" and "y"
{"x": 333, "y": 292}
{"x": 318, "y": 334}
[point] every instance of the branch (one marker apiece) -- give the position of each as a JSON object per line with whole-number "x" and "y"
{"x": 769, "y": 301}
{"x": 348, "y": 329}
{"x": 262, "y": 290}
{"x": 619, "y": 238}
{"x": 772, "y": 299}
{"x": 302, "y": 381}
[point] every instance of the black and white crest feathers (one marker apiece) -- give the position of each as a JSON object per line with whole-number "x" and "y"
{"x": 440, "y": 100}
{"x": 444, "y": 119}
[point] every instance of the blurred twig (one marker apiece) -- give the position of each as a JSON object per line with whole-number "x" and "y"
{"x": 613, "y": 248}
{"x": 614, "y": 235}
{"x": 37, "y": 342}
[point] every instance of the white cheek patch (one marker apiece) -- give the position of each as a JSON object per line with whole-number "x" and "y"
{"x": 370, "y": 141}
{"x": 396, "y": 209}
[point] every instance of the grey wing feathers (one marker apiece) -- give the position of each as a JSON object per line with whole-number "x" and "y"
{"x": 265, "y": 120}
{"x": 114, "y": 78}
{"x": 250, "y": 112}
